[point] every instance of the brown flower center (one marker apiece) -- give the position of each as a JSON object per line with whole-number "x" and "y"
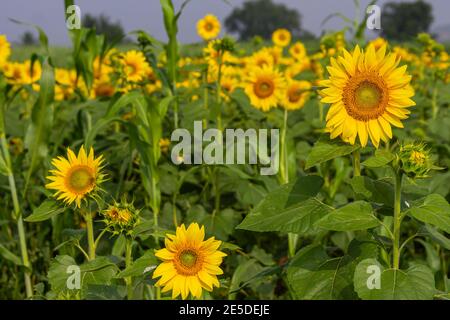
{"x": 264, "y": 88}
{"x": 80, "y": 179}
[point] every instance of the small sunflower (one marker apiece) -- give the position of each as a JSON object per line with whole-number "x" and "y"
{"x": 281, "y": 37}
{"x": 32, "y": 72}
{"x": 296, "y": 94}
{"x": 368, "y": 94}
{"x": 298, "y": 51}
{"x": 260, "y": 59}
{"x": 134, "y": 65}
{"x": 209, "y": 27}
{"x": 190, "y": 263}
{"x": 5, "y": 50}
{"x": 264, "y": 86}
{"x": 76, "y": 177}
{"x": 121, "y": 217}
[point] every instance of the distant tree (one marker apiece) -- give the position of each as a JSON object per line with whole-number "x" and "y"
{"x": 261, "y": 18}
{"x": 103, "y": 25}
{"x": 404, "y": 20}
{"x": 28, "y": 38}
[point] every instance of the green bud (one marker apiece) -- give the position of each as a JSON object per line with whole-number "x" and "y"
{"x": 414, "y": 160}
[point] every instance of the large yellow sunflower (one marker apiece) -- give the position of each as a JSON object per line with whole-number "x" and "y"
{"x": 76, "y": 177}
{"x": 281, "y": 37}
{"x": 134, "y": 65}
{"x": 264, "y": 87}
{"x": 296, "y": 94}
{"x": 368, "y": 94}
{"x": 209, "y": 27}
{"x": 190, "y": 264}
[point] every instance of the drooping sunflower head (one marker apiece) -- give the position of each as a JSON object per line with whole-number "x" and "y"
{"x": 76, "y": 177}
{"x": 265, "y": 86}
{"x": 135, "y": 66}
{"x": 190, "y": 263}
{"x": 368, "y": 94}
{"x": 296, "y": 94}
{"x": 281, "y": 37}
{"x": 209, "y": 27}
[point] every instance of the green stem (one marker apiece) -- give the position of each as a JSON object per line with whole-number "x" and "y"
{"x": 18, "y": 216}
{"x": 128, "y": 262}
{"x": 356, "y": 163}
{"x": 90, "y": 235}
{"x": 434, "y": 105}
{"x": 397, "y": 221}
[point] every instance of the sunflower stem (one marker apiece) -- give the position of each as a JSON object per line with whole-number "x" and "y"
{"x": 17, "y": 214}
{"x": 356, "y": 163}
{"x": 128, "y": 262}
{"x": 397, "y": 221}
{"x": 90, "y": 235}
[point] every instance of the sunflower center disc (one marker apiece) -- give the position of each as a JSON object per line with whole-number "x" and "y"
{"x": 264, "y": 89}
{"x": 368, "y": 95}
{"x": 188, "y": 258}
{"x": 81, "y": 179}
{"x": 294, "y": 95}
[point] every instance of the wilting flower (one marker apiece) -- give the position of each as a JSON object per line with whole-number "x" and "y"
{"x": 190, "y": 263}
{"x": 264, "y": 86}
{"x": 76, "y": 177}
{"x": 368, "y": 94}
{"x": 209, "y": 27}
{"x": 281, "y": 37}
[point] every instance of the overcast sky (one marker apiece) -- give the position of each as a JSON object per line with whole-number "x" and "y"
{"x": 146, "y": 14}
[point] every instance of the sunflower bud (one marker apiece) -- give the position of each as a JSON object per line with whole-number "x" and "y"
{"x": 121, "y": 218}
{"x": 415, "y": 160}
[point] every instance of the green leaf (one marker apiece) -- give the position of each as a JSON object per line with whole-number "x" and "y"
{"x": 357, "y": 215}
{"x": 432, "y": 209}
{"x": 45, "y": 211}
{"x": 40, "y": 128}
{"x": 313, "y": 274}
{"x": 4, "y": 170}
{"x": 290, "y": 208}
{"x": 100, "y": 271}
{"x": 8, "y": 255}
{"x": 415, "y": 283}
{"x": 374, "y": 190}
{"x": 140, "y": 266}
{"x": 436, "y": 236}
{"x": 381, "y": 158}
{"x": 325, "y": 150}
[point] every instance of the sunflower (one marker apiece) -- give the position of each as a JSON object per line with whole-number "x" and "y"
{"x": 32, "y": 72}
{"x": 260, "y": 58}
{"x": 134, "y": 65}
{"x": 281, "y": 37}
{"x": 264, "y": 86}
{"x": 368, "y": 94}
{"x": 14, "y": 72}
{"x": 296, "y": 94}
{"x": 298, "y": 51}
{"x": 190, "y": 264}
{"x": 209, "y": 27}
{"x": 76, "y": 177}
{"x": 5, "y": 50}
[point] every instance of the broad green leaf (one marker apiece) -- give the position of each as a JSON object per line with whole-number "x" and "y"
{"x": 140, "y": 266}
{"x": 433, "y": 209}
{"x": 290, "y": 208}
{"x": 243, "y": 272}
{"x": 45, "y": 211}
{"x": 381, "y": 158}
{"x": 100, "y": 271}
{"x": 313, "y": 274}
{"x": 415, "y": 283}
{"x": 40, "y": 128}
{"x": 8, "y": 255}
{"x": 357, "y": 215}
{"x": 325, "y": 150}
{"x": 104, "y": 292}
{"x": 438, "y": 237}
{"x": 374, "y": 190}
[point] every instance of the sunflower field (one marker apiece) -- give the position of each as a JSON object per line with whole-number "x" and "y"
{"x": 96, "y": 203}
